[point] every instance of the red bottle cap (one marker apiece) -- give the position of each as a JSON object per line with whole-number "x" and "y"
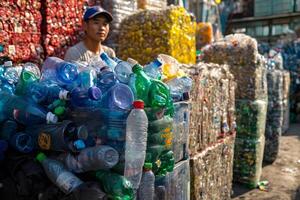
{"x": 139, "y": 104}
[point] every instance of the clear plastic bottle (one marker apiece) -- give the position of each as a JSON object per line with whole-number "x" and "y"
{"x": 108, "y": 61}
{"x": 92, "y": 158}
{"x": 178, "y": 86}
{"x": 26, "y": 113}
{"x": 106, "y": 79}
{"x": 63, "y": 73}
{"x": 153, "y": 69}
{"x": 58, "y": 174}
{"x": 146, "y": 189}
{"x": 123, "y": 71}
{"x": 136, "y": 141}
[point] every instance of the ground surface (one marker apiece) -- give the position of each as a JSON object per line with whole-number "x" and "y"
{"x": 283, "y": 175}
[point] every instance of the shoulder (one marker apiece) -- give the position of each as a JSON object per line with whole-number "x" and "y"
{"x": 110, "y": 52}
{"x": 74, "y": 52}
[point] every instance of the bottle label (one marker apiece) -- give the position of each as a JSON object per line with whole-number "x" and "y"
{"x": 44, "y": 141}
{"x": 67, "y": 182}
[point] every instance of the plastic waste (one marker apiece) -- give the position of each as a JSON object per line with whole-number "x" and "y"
{"x": 153, "y": 69}
{"x": 136, "y": 141}
{"x": 179, "y": 86}
{"x": 91, "y": 159}
{"x": 22, "y": 142}
{"x": 115, "y": 185}
{"x": 123, "y": 71}
{"x": 88, "y": 77}
{"x": 57, "y": 173}
{"x": 146, "y": 189}
{"x": 81, "y": 97}
{"x": 26, "y": 113}
{"x": 108, "y": 61}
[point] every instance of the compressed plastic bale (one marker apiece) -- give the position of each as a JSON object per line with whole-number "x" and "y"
{"x": 248, "y": 67}
{"x": 286, "y": 84}
{"x": 212, "y": 104}
{"x": 63, "y": 25}
{"x": 286, "y": 116}
{"x": 274, "y": 115}
{"x": 181, "y": 131}
{"x": 20, "y": 26}
{"x": 248, "y": 158}
{"x": 212, "y": 171}
{"x": 147, "y": 33}
{"x": 204, "y": 34}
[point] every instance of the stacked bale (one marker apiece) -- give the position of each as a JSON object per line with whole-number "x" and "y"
{"x": 20, "y": 30}
{"x": 62, "y": 25}
{"x": 248, "y": 67}
{"x": 286, "y": 100}
{"x": 212, "y": 127}
{"x": 147, "y": 33}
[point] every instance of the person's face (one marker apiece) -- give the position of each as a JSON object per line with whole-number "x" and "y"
{"x": 97, "y": 28}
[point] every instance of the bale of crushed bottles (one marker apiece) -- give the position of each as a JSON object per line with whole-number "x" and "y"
{"x": 62, "y": 27}
{"x": 211, "y": 171}
{"x": 119, "y": 10}
{"x": 240, "y": 53}
{"x": 286, "y": 100}
{"x": 212, "y": 104}
{"x": 181, "y": 131}
{"x": 176, "y": 184}
{"x": 147, "y": 33}
{"x": 274, "y": 115}
{"x": 151, "y": 4}
{"x": 20, "y": 35}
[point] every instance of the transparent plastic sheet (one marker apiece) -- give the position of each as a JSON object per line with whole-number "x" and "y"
{"x": 212, "y": 104}
{"x": 147, "y": 33}
{"x": 240, "y": 53}
{"x": 211, "y": 171}
{"x": 248, "y": 157}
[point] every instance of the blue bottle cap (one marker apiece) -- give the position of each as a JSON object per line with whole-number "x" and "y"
{"x": 95, "y": 93}
{"x": 79, "y": 144}
{"x": 157, "y": 63}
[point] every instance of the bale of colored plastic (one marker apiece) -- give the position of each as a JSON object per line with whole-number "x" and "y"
{"x": 147, "y": 33}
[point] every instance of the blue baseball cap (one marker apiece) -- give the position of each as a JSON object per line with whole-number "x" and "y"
{"x": 96, "y": 10}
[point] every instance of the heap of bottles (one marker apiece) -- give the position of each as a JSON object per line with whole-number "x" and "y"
{"x": 93, "y": 117}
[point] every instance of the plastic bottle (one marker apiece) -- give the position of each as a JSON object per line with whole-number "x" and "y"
{"x": 3, "y": 148}
{"x": 108, "y": 61}
{"x": 88, "y": 78}
{"x": 11, "y": 75}
{"x": 136, "y": 141}
{"x": 159, "y": 95}
{"x": 63, "y": 73}
{"x": 106, "y": 79}
{"x": 119, "y": 96}
{"x": 93, "y": 158}
{"x": 33, "y": 68}
{"x": 153, "y": 69}
{"x": 178, "y": 86}
{"x": 26, "y": 79}
{"x": 8, "y": 129}
{"x": 81, "y": 97}
{"x": 26, "y": 113}
{"x": 56, "y": 172}
{"x": 46, "y": 92}
{"x": 146, "y": 189}
{"x": 89, "y": 191}
{"x": 22, "y": 142}
{"x": 123, "y": 71}
{"x": 170, "y": 67}
{"x": 115, "y": 185}
{"x": 142, "y": 83}
{"x": 58, "y": 137}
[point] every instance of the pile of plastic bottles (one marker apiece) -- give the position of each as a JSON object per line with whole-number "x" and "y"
{"x": 91, "y": 120}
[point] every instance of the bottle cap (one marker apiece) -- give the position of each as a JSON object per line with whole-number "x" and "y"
{"x": 139, "y": 104}
{"x": 148, "y": 166}
{"x": 59, "y": 111}
{"x": 64, "y": 95}
{"x": 157, "y": 62}
{"x": 79, "y": 144}
{"x": 51, "y": 118}
{"x": 95, "y": 93}
{"x": 41, "y": 157}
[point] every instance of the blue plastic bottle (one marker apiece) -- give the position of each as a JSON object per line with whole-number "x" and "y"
{"x": 88, "y": 78}
{"x": 46, "y": 92}
{"x": 26, "y": 113}
{"x": 119, "y": 96}
{"x": 108, "y": 61}
{"x": 58, "y": 174}
{"x": 106, "y": 79}
{"x": 153, "y": 69}
{"x": 22, "y": 142}
{"x": 123, "y": 71}
{"x": 81, "y": 97}
{"x": 63, "y": 73}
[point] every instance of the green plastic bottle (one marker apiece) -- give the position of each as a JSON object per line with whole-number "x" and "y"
{"x": 26, "y": 79}
{"x": 116, "y": 187}
{"x": 142, "y": 84}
